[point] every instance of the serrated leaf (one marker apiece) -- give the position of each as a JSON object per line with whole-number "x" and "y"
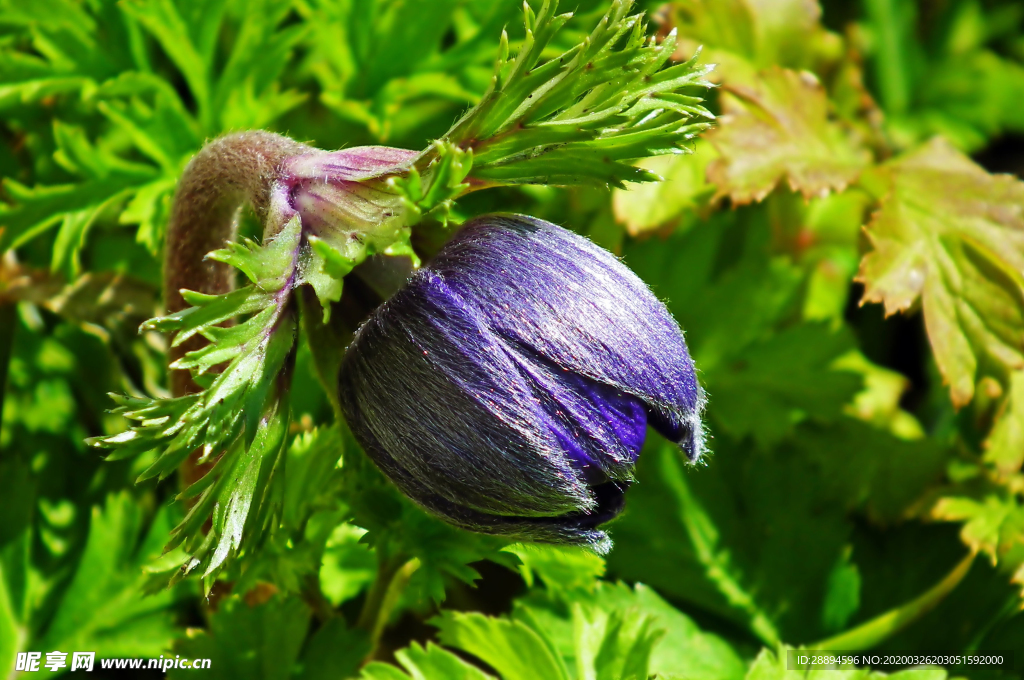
{"x": 639, "y": 616}
{"x": 1005, "y": 445}
{"x": 38, "y": 208}
{"x": 444, "y": 184}
{"x": 259, "y": 642}
{"x": 993, "y": 524}
{"x": 559, "y": 567}
{"x": 423, "y": 663}
{"x": 240, "y": 420}
{"x": 952, "y": 235}
{"x": 775, "y": 384}
{"x": 323, "y": 269}
{"x": 510, "y": 647}
{"x": 743, "y": 36}
{"x": 654, "y": 205}
{"x": 348, "y": 566}
{"x": 148, "y": 208}
{"x": 103, "y": 609}
{"x": 613, "y": 644}
{"x": 779, "y": 128}
{"x": 755, "y": 535}
{"x": 162, "y": 19}
{"x": 270, "y": 266}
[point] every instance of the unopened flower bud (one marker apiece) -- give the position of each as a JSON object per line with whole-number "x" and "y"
{"x": 337, "y": 198}
{"x": 507, "y": 387}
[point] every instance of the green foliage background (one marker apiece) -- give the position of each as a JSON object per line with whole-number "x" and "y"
{"x": 860, "y": 461}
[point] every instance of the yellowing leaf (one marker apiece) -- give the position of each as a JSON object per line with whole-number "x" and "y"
{"x": 1005, "y": 445}
{"x": 953, "y": 235}
{"x": 780, "y": 128}
{"x": 742, "y": 36}
{"x": 879, "y": 402}
{"x": 649, "y": 206}
{"x": 994, "y": 526}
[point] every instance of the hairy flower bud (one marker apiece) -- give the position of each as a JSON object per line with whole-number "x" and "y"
{"x": 508, "y": 386}
{"x": 337, "y": 197}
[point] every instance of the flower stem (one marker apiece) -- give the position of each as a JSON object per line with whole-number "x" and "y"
{"x": 393, "y": 576}
{"x": 226, "y": 174}
{"x": 314, "y": 597}
{"x": 884, "y": 626}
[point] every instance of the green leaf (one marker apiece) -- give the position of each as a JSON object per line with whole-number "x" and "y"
{"x": 778, "y": 128}
{"x": 15, "y": 546}
{"x": 612, "y": 645}
{"x": 258, "y": 642}
{"x": 449, "y": 168}
{"x": 704, "y": 557}
{"x": 775, "y": 384}
{"x": 684, "y": 645}
{"x": 513, "y": 649}
{"x": 313, "y": 460}
{"x": 879, "y": 402}
{"x": 842, "y": 598}
{"x": 324, "y": 272}
{"x": 755, "y": 535}
{"x": 103, "y": 608}
{"x": 324, "y": 337}
{"x": 423, "y": 663}
{"x": 743, "y": 36}
{"x": 682, "y": 192}
{"x": 333, "y": 651}
{"x": 240, "y": 421}
{"x": 149, "y": 208}
{"x": 952, "y": 235}
{"x": 576, "y": 118}
{"x": 993, "y": 525}
{"x": 559, "y": 567}
{"x": 348, "y": 566}
{"x": 678, "y": 643}
{"x": 162, "y": 19}
{"x": 400, "y": 531}
{"x": 270, "y": 265}
{"x": 868, "y": 468}
{"x": 37, "y": 209}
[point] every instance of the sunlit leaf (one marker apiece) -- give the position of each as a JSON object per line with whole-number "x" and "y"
{"x": 682, "y": 191}
{"x": 952, "y": 236}
{"x": 778, "y": 128}
{"x": 1005, "y": 445}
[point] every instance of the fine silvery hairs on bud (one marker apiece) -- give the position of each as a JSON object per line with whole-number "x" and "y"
{"x": 508, "y": 386}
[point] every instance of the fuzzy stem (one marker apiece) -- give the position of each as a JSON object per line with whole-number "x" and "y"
{"x": 226, "y": 174}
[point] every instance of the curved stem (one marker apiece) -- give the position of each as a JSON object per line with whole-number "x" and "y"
{"x": 880, "y": 628}
{"x": 226, "y": 174}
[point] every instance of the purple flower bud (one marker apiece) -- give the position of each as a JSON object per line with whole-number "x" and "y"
{"x": 508, "y": 386}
